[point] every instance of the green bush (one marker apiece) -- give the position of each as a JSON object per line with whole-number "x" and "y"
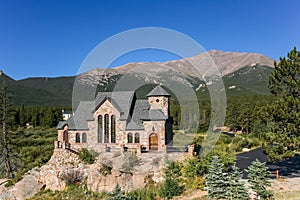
{"x": 142, "y": 194}
{"x": 169, "y": 188}
{"x": 87, "y": 156}
{"x": 105, "y": 169}
{"x": 117, "y": 194}
{"x": 72, "y": 192}
{"x": 130, "y": 161}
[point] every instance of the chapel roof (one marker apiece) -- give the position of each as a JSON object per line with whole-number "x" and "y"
{"x": 158, "y": 91}
{"x": 132, "y": 110}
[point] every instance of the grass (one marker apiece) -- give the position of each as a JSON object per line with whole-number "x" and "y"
{"x": 72, "y": 192}
{"x": 291, "y": 195}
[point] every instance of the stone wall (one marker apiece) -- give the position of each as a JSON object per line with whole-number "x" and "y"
{"x": 159, "y": 103}
{"x": 157, "y": 127}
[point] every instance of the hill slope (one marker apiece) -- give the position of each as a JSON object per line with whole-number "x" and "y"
{"x": 242, "y": 73}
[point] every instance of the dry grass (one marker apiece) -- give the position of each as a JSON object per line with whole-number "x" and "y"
{"x": 291, "y": 195}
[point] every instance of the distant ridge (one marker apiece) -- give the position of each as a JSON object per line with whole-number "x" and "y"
{"x": 244, "y": 73}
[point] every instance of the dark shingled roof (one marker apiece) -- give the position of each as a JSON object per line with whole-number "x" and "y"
{"x": 158, "y": 91}
{"x": 142, "y": 113}
{"x": 123, "y": 101}
{"x": 79, "y": 120}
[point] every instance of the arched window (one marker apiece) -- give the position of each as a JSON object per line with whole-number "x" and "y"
{"x": 136, "y": 138}
{"x": 106, "y": 128}
{"x": 129, "y": 138}
{"x": 83, "y": 138}
{"x": 100, "y": 128}
{"x": 113, "y": 129}
{"x": 77, "y": 138}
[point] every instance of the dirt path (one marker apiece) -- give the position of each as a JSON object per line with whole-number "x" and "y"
{"x": 286, "y": 184}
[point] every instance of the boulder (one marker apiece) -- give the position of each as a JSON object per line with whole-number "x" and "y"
{"x": 28, "y": 186}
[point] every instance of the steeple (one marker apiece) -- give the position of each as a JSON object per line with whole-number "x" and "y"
{"x": 158, "y": 91}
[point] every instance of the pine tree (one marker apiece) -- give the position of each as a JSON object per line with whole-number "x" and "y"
{"x": 170, "y": 187}
{"x": 258, "y": 178}
{"x": 285, "y": 79}
{"x": 284, "y": 84}
{"x": 118, "y": 194}
{"x": 236, "y": 189}
{"x": 216, "y": 180}
{"x": 6, "y": 123}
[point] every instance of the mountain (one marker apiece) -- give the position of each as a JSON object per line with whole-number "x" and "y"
{"x": 242, "y": 73}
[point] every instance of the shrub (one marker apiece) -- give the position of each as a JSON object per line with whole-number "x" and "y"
{"x": 197, "y": 182}
{"x": 130, "y": 161}
{"x": 143, "y": 194}
{"x": 106, "y": 167}
{"x": 72, "y": 177}
{"x": 87, "y": 156}
{"x": 118, "y": 194}
{"x": 169, "y": 188}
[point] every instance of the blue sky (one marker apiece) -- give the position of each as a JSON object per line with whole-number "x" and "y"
{"x": 52, "y": 38}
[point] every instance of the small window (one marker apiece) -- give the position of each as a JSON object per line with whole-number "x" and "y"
{"x": 129, "y": 138}
{"x": 157, "y": 100}
{"x": 77, "y": 138}
{"x": 83, "y": 137}
{"x": 136, "y": 138}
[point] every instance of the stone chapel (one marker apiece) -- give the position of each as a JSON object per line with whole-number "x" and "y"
{"x": 117, "y": 121}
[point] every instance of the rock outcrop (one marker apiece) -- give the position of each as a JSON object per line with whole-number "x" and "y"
{"x": 24, "y": 189}
{"x": 65, "y": 165}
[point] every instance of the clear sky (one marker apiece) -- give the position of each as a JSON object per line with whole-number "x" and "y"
{"x": 52, "y": 38}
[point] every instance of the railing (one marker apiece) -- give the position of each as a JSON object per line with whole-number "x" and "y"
{"x": 64, "y": 145}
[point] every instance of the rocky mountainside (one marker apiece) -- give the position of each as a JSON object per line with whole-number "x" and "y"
{"x": 194, "y": 72}
{"x": 187, "y": 68}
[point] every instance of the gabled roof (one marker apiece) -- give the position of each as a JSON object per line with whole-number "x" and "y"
{"x": 132, "y": 110}
{"x": 122, "y": 99}
{"x": 78, "y": 121}
{"x": 142, "y": 113}
{"x": 158, "y": 91}
{"x": 111, "y": 101}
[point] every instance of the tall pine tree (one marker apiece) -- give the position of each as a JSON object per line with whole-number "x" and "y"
{"x": 6, "y": 123}
{"x": 284, "y": 83}
{"x": 216, "y": 180}
{"x": 258, "y": 178}
{"x": 236, "y": 189}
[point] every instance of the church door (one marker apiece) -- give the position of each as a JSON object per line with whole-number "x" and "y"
{"x": 65, "y": 136}
{"x": 153, "y": 141}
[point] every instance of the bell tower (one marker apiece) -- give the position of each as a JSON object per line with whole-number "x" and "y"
{"x": 158, "y": 99}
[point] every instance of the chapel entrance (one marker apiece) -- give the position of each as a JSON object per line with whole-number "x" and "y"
{"x": 153, "y": 141}
{"x": 65, "y": 136}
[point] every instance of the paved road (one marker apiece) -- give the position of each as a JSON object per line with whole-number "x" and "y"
{"x": 289, "y": 168}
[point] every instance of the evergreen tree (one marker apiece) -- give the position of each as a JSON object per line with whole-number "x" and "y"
{"x": 6, "y": 123}
{"x": 285, "y": 80}
{"x": 216, "y": 180}
{"x": 118, "y": 194}
{"x": 284, "y": 83}
{"x": 170, "y": 187}
{"x": 236, "y": 189}
{"x": 258, "y": 178}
